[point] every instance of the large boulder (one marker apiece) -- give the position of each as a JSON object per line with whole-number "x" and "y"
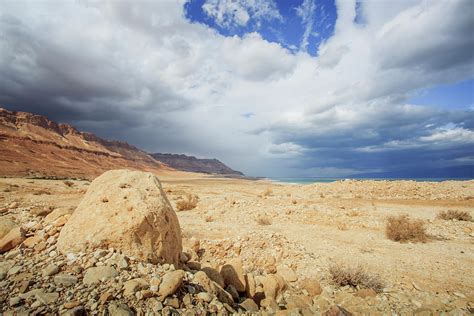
{"x": 126, "y": 210}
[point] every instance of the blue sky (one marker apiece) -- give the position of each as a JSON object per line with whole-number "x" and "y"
{"x": 272, "y": 88}
{"x": 287, "y": 28}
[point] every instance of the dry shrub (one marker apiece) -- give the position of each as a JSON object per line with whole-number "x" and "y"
{"x": 264, "y": 220}
{"x": 342, "y": 226}
{"x": 403, "y": 229}
{"x": 68, "y": 183}
{"x": 455, "y": 215}
{"x": 355, "y": 277}
{"x": 294, "y": 202}
{"x": 42, "y": 192}
{"x": 188, "y": 203}
{"x": 105, "y": 200}
{"x": 267, "y": 192}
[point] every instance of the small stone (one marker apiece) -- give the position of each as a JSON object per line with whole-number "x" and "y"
{"x": 14, "y": 270}
{"x": 187, "y": 299}
{"x": 232, "y": 291}
{"x": 75, "y": 311}
{"x": 172, "y": 301}
{"x": 171, "y": 282}
{"x": 47, "y": 298}
{"x": 105, "y": 297}
{"x": 119, "y": 309}
{"x": 98, "y": 274}
{"x": 312, "y": 286}
{"x": 337, "y": 311}
{"x": 65, "y": 279}
{"x": 15, "y": 301}
{"x": 233, "y": 273}
{"x": 132, "y": 286}
{"x": 363, "y": 293}
{"x": 51, "y": 269}
{"x": 14, "y": 237}
{"x": 287, "y": 273}
{"x": 72, "y": 304}
{"x": 249, "y": 305}
{"x": 204, "y": 296}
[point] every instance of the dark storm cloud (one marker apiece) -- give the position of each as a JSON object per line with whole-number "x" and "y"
{"x": 74, "y": 83}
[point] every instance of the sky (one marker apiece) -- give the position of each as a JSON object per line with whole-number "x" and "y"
{"x": 305, "y": 88}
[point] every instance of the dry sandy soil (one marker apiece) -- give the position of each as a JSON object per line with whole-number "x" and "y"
{"x": 311, "y": 227}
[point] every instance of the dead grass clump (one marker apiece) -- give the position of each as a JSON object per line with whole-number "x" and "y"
{"x": 455, "y": 215}
{"x": 267, "y": 192}
{"x": 403, "y": 229}
{"x": 264, "y": 220}
{"x": 355, "y": 277}
{"x": 342, "y": 226}
{"x": 188, "y": 203}
{"x": 68, "y": 183}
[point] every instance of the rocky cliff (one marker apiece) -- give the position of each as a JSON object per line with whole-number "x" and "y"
{"x": 193, "y": 164}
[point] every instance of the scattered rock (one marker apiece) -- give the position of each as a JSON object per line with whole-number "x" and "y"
{"x": 6, "y": 225}
{"x": 132, "y": 286}
{"x": 366, "y": 293}
{"x": 312, "y": 286}
{"x": 214, "y": 275}
{"x": 233, "y": 274}
{"x": 65, "y": 279}
{"x": 51, "y": 269}
{"x": 98, "y": 274}
{"x": 119, "y": 309}
{"x": 171, "y": 282}
{"x": 249, "y": 305}
{"x": 143, "y": 225}
{"x": 12, "y": 239}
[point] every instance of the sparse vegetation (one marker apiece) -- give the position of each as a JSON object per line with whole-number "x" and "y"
{"x": 403, "y": 229}
{"x": 355, "y": 277}
{"x": 455, "y": 215}
{"x": 294, "y": 202}
{"x": 105, "y": 200}
{"x": 264, "y": 220}
{"x": 124, "y": 185}
{"x": 188, "y": 203}
{"x": 267, "y": 192}
{"x": 342, "y": 226}
{"x": 42, "y": 192}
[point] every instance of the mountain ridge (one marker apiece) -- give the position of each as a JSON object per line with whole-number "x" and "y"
{"x": 35, "y": 146}
{"x": 193, "y": 164}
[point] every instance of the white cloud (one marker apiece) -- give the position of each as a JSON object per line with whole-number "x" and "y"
{"x": 181, "y": 86}
{"x": 306, "y": 11}
{"x": 232, "y": 13}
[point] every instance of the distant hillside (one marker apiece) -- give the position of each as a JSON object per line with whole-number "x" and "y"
{"x": 33, "y": 145}
{"x": 193, "y": 164}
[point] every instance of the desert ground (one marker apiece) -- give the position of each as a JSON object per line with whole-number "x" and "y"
{"x": 300, "y": 231}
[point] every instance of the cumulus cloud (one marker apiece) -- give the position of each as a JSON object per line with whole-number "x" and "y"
{"x": 232, "y": 13}
{"x": 143, "y": 73}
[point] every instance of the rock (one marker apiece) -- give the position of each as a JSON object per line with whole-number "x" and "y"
{"x": 51, "y": 269}
{"x": 143, "y": 225}
{"x": 214, "y": 275}
{"x": 366, "y": 293}
{"x": 337, "y": 311}
{"x": 171, "y": 282}
{"x": 98, "y": 274}
{"x": 75, "y": 311}
{"x": 172, "y": 301}
{"x": 221, "y": 294}
{"x": 204, "y": 296}
{"x": 134, "y": 285}
{"x": 272, "y": 286}
{"x": 56, "y": 214}
{"x": 120, "y": 309}
{"x": 297, "y": 301}
{"x": 270, "y": 303}
{"x": 287, "y": 273}
{"x": 47, "y": 298}
{"x": 14, "y": 301}
{"x": 6, "y": 225}
{"x": 232, "y": 291}
{"x": 201, "y": 279}
{"x": 65, "y": 279}
{"x": 69, "y": 305}
{"x": 12, "y": 239}
{"x": 312, "y": 286}
{"x": 250, "y": 285}
{"x": 233, "y": 274}
{"x": 105, "y": 297}
{"x": 32, "y": 241}
{"x": 249, "y": 305}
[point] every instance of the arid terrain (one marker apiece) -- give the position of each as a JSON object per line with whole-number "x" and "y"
{"x": 297, "y": 232}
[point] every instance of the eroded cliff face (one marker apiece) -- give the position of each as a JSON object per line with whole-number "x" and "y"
{"x": 33, "y": 145}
